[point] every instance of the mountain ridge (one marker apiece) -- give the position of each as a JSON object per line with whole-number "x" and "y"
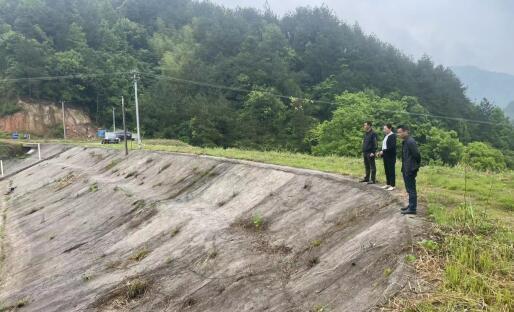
{"x": 495, "y": 86}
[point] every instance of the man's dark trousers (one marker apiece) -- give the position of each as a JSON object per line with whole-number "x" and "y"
{"x": 410, "y": 185}
{"x": 371, "y": 169}
{"x": 390, "y": 170}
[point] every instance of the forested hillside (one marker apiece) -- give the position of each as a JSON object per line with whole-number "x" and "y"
{"x": 245, "y": 78}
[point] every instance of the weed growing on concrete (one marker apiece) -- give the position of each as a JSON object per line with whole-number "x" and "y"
{"x": 136, "y": 288}
{"x": 257, "y": 221}
{"x": 319, "y": 308}
{"x": 410, "y": 258}
{"x": 316, "y": 243}
{"x": 140, "y": 255}
{"x": 112, "y": 164}
{"x": 93, "y": 188}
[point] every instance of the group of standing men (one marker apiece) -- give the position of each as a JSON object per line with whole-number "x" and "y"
{"x": 411, "y": 160}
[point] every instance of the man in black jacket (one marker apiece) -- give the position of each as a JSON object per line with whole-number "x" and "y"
{"x": 388, "y": 153}
{"x": 369, "y": 148}
{"x": 411, "y": 160}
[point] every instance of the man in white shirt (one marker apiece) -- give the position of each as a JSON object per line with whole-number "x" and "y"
{"x": 388, "y": 153}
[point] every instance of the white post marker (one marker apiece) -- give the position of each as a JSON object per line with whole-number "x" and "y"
{"x": 137, "y": 109}
{"x": 2, "y": 167}
{"x": 63, "y": 121}
{"x": 113, "y": 119}
{"x": 39, "y": 150}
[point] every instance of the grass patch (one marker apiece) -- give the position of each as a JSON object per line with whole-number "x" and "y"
{"x": 65, "y": 181}
{"x": 93, "y": 188}
{"x": 112, "y": 164}
{"x": 257, "y": 221}
{"x": 319, "y": 308}
{"x": 471, "y": 257}
{"x": 140, "y": 255}
{"x": 136, "y": 288}
{"x": 316, "y": 243}
{"x": 388, "y": 272}
{"x": 410, "y": 258}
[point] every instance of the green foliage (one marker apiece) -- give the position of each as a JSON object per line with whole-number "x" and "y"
{"x": 478, "y": 254}
{"x": 93, "y": 188}
{"x": 410, "y": 258}
{"x": 343, "y": 134}
{"x": 8, "y": 107}
{"x": 261, "y": 119}
{"x": 257, "y": 221}
{"x": 309, "y": 56}
{"x": 10, "y": 150}
{"x": 429, "y": 244}
{"x": 483, "y": 157}
{"x": 442, "y": 147}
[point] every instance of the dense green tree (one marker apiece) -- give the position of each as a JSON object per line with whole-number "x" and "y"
{"x": 262, "y": 120}
{"x": 243, "y": 77}
{"x": 343, "y": 134}
{"x": 482, "y": 156}
{"x": 442, "y": 147}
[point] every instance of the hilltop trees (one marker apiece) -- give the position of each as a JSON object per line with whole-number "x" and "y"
{"x": 246, "y": 78}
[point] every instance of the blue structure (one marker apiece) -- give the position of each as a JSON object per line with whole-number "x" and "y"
{"x": 15, "y": 135}
{"x": 100, "y": 133}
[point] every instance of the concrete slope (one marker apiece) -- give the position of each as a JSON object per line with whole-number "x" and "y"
{"x": 90, "y": 230}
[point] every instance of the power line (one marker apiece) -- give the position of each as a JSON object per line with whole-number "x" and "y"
{"x": 222, "y": 87}
{"x": 63, "y": 77}
{"x": 235, "y": 89}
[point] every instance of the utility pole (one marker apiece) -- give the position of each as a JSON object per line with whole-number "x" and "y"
{"x": 63, "y": 120}
{"x": 124, "y": 126}
{"x": 96, "y": 119}
{"x": 137, "y": 109}
{"x": 113, "y": 120}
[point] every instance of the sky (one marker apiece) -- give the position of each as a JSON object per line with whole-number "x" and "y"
{"x": 452, "y": 32}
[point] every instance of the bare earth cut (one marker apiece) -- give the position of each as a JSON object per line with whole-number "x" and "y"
{"x": 91, "y": 230}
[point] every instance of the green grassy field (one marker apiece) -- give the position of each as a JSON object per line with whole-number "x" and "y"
{"x": 468, "y": 258}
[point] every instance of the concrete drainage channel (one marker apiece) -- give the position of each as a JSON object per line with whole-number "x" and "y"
{"x": 91, "y": 230}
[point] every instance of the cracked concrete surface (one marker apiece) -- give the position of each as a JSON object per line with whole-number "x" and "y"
{"x": 91, "y": 230}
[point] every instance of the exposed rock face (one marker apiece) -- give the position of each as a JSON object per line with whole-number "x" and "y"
{"x": 43, "y": 118}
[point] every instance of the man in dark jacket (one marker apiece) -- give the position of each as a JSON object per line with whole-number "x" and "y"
{"x": 411, "y": 160}
{"x": 388, "y": 153}
{"x": 369, "y": 148}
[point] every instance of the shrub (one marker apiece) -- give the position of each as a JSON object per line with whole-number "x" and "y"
{"x": 483, "y": 157}
{"x": 442, "y": 147}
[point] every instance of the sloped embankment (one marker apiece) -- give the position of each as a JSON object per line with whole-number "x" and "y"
{"x": 91, "y": 230}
